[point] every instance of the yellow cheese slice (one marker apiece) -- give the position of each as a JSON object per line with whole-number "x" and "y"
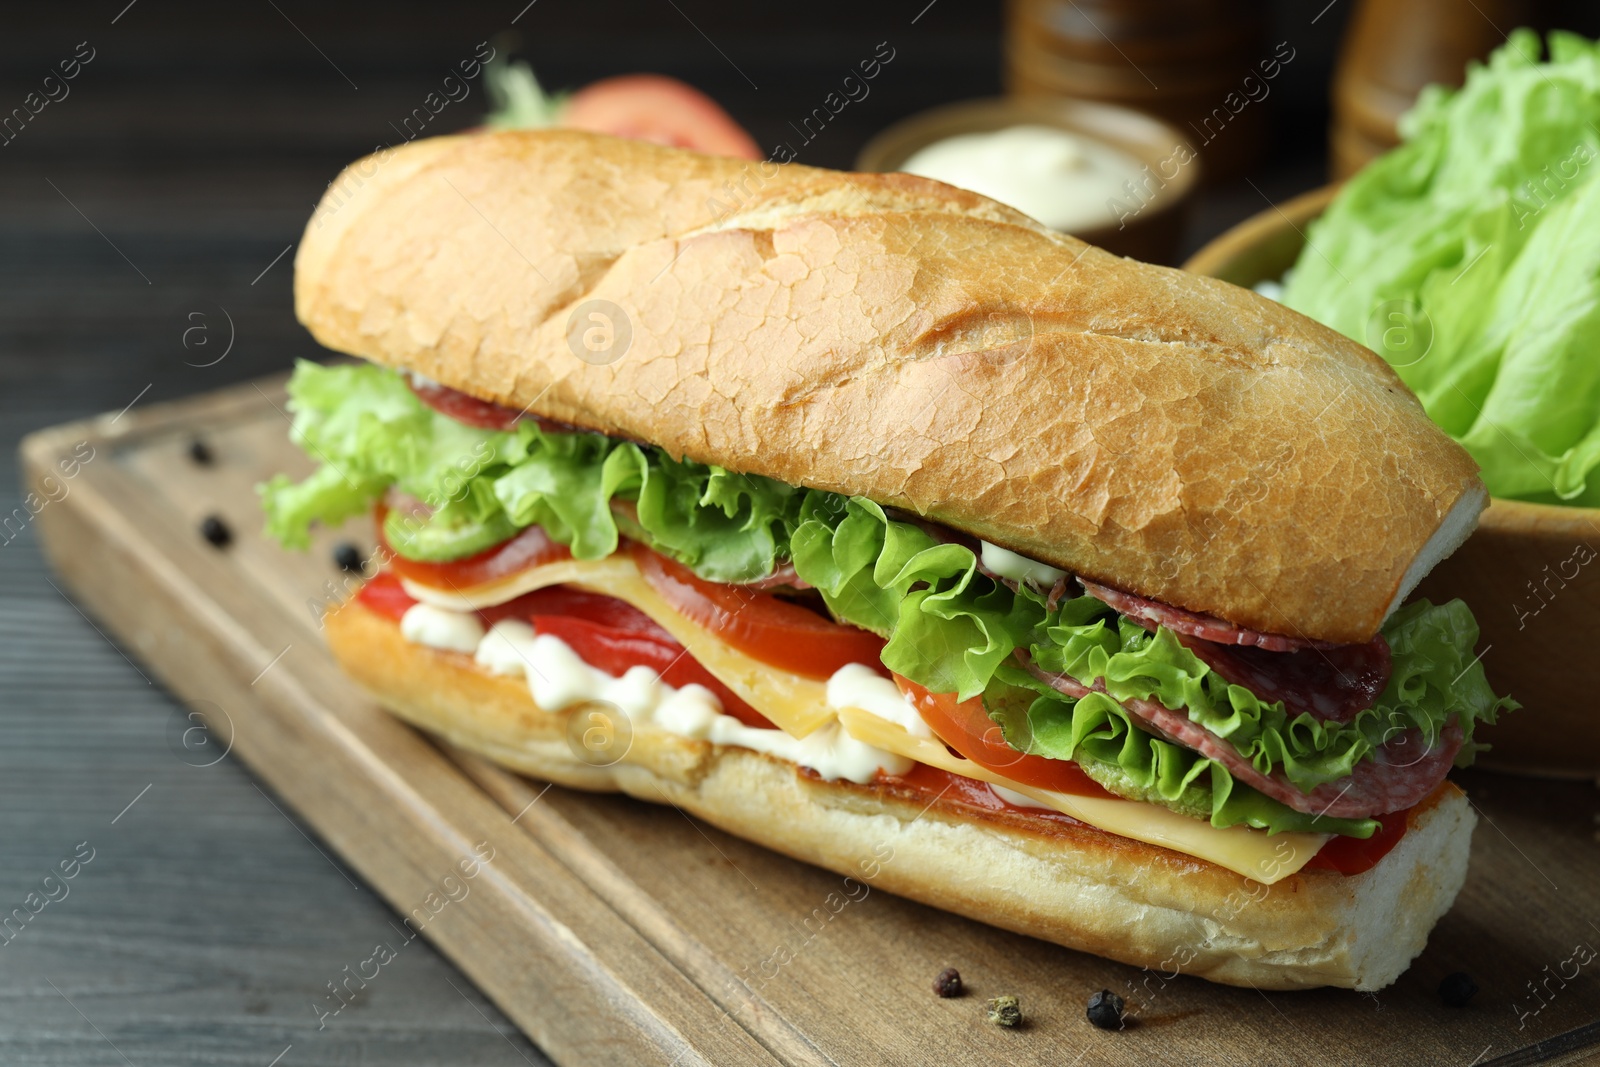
{"x": 793, "y": 703}
{"x": 799, "y": 706}
{"x": 1252, "y": 853}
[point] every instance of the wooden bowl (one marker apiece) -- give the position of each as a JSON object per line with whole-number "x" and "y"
{"x": 1154, "y": 233}
{"x": 1526, "y": 571}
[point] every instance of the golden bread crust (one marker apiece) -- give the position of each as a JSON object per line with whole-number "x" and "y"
{"x": 1078, "y": 887}
{"x": 895, "y": 338}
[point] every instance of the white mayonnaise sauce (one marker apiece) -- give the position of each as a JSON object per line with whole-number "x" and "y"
{"x": 1008, "y": 564}
{"x": 559, "y": 679}
{"x": 424, "y": 624}
{"x": 855, "y": 685}
{"x": 1063, "y": 180}
{"x": 1021, "y": 800}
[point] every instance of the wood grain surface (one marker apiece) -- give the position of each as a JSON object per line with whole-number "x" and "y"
{"x": 184, "y": 162}
{"x": 158, "y": 197}
{"x": 619, "y": 932}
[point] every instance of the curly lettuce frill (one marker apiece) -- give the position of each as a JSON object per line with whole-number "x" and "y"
{"x": 952, "y": 629}
{"x": 949, "y": 627}
{"x": 1434, "y": 679}
{"x": 1097, "y": 734}
{"x": 1469, "y": 258}
{"x": 371, "y": 432}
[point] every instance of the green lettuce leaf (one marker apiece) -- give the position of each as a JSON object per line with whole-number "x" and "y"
{"x": 371, "y": 432}
{"x": 1469, "y": 257}
{"x": 329, "y": 496}
{"x": 1435, "y": 678}
{"x": 949, "y": 627}
{"x": 516, "y": 99}
{"x": 952, "y": 629}
{"x": 1098, "y": 735}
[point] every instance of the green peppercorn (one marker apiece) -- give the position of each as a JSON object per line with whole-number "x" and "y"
{"x": 1005, "y": 1011}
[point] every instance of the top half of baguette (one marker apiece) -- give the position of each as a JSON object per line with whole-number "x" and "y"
{"x": 895, "y": 338}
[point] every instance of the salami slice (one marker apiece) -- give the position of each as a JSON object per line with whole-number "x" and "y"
{"x": 1151, "y": 613}
{"x": 1333, "y": 683}
{"x": 782, "y": 576}
{"x": 1392, "y": 778}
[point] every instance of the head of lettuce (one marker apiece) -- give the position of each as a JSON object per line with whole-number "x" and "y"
{"x": 1469, "y": 257}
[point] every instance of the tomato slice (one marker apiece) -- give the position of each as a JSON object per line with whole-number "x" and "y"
{"x": 969, "y": 794}
{"x": 966, "y": 727}
{"x": 608, "y": 634}
{"x": 652, "y": 107}
{"x": 385, "y": 595}
{"x": 612, "y": 635}
{"x": 769, "y": 628}
{"x": 531, "y": 547}
{"x": 565, "y": 601}
{"x": 1353, "y": 855}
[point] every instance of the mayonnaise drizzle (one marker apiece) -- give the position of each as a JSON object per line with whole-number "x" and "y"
{"x": 424, "y": 624}
{"x": 1020, "y": 800}
{"x": 1007, "y": 564}
{"x": 559, "y": 679}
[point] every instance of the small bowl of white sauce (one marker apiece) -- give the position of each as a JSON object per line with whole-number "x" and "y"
{"x": 1112, "y": 176}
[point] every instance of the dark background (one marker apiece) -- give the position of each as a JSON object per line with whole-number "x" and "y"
{"x": 201, "y": 135}
{"x": 186, "y": 158}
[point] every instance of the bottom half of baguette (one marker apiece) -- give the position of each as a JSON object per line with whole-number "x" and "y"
{"x": 1067, "y": 883}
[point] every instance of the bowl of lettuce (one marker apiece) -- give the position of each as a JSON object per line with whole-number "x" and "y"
{"x": 1469, "y": 258}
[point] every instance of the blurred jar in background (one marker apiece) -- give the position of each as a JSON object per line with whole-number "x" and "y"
{"x": 1392, "y": 48}
{"x": 1205, "y": 66}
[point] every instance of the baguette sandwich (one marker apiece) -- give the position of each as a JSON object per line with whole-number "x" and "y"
{"x": 851, "y": 510}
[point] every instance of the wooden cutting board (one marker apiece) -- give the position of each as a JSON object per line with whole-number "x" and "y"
{"x": 619, "y": 932}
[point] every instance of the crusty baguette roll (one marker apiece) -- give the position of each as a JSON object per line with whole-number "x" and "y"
{"x": 1084, "y": 889}
{"x": 896, "y": 338}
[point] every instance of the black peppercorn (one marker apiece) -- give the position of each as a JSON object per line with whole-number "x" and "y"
{"x": 201, "y": 453}
{"x": 347, "y": 557}
{"x": 1105, "y": 1010}
{"x": 1457, "y": 989}
{"x": 216, "y": 531}
{"x": 1005, "y": 1011}
{"x": 948, "y": 984}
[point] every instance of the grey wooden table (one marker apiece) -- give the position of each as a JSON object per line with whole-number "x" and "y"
{"x": 206, "y": 923}
{"x": 145, "y": 219}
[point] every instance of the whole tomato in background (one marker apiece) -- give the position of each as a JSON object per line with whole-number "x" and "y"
{"x": 653, "y": 107}
{"x": 642, "y": 107}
